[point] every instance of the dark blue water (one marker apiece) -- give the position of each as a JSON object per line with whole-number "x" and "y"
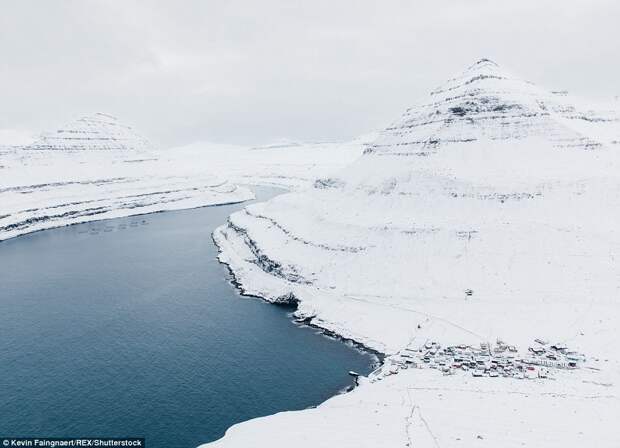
{"x": 133, "y": 329}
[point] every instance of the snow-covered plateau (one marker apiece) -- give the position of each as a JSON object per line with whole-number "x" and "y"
{"x": 474, "y": 243}
{"x": 96, "y": 168}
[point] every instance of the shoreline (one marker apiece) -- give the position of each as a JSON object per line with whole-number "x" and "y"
{"x": 393, "y": 397}
{"x": 294, "y": 306}
{"x": 122, "y": 215}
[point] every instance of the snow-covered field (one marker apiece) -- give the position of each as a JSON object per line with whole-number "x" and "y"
{"x": 490, "y": 212}
{"x": 99, "y": 173}
{"x": 423, "y": 408}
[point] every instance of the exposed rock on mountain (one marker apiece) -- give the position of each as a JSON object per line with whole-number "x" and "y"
{"x": 487, "y": 103}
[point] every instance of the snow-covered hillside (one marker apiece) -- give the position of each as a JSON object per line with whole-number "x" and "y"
{"x": 97, "y": 168}
{"x": 488, "y": 213}
{"x": 290, "y": 166}
{"x": 93, "y": 132}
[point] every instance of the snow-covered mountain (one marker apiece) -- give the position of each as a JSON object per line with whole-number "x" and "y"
{"x": 488, "y": 212}
{"x": 98, "y": 131}
{"x": 487, "y": 103}
{"x": 49, "y": 188}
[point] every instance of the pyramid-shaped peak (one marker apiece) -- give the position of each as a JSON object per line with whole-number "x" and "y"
{"x": 98, "y": 131}
{"x": 482, "y": 72}
{"x": 486, "y": 66}
{"x": 483, "y": 63}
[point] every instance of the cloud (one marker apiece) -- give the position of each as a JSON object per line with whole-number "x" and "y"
{"x": 15, "y": 137}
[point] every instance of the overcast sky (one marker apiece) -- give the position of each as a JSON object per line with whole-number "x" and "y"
{"x": 254, "y": 71}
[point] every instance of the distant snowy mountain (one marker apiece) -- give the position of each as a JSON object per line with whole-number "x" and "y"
{"x": 93, "y": 132}
{"x": 50, "y": 188}
{"x": 97, "y": 168}
{"x": 488, "y": 212}
{"x": 285, "y": 143}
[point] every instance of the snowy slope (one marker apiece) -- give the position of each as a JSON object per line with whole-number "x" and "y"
{"x": 44, "y": 189}
{"x": 291, "y": 166}
{"x": 488, "y": 212}
{"x": 104, "y": 171}
{"x": 93, "y": 132}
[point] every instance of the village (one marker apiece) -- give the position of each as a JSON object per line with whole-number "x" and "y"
{"x": 487, "y": 360}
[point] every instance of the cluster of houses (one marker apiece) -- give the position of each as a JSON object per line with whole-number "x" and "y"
{"x": 487, "y": 360}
